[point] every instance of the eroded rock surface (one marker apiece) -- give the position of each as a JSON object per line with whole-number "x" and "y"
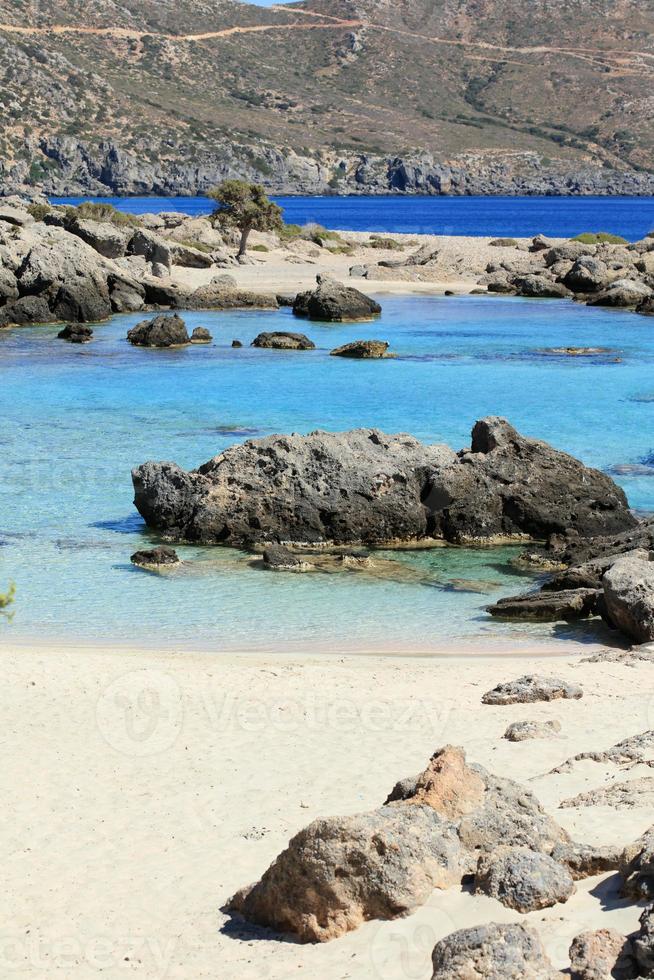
{"x": 523, "y": 879}
{"x": 629, "y": 597}
{"x": 161, "y": 331}
{"x": 601, "y": 954}
{"x": 532, "y": 687}
{"x": 362, "y": 349}
{"x": 494, "y": 952}
{"x": 332, "y": 301}
{"x": 521, "y": 731}
{"x": 283, "y": 340}
{"x": 366, "y": 487}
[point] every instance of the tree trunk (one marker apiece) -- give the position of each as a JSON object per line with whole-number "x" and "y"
{"x": 245, "y": 232}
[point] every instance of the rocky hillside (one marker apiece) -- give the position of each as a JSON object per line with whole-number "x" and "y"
{"x": 432, "y": 96}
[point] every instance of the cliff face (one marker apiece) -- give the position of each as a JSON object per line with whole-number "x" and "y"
{"x": 417, "y": 96}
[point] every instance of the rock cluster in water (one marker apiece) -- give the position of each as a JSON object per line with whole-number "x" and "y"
{"x": 364, "y": 486}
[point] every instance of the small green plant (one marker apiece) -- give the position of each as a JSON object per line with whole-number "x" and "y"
{"x": 598, "y": 237}
{"x": 343, "y": 249}
{"x": 6, "y": 601}
{"x": 199, "y": 246}
{"x": 259, "y": 248}
{"x": 378, "y": 241}
{"x": 39, "y": 211}
{"x": 96, "y": 211}
{"x": 289, "y": 233}
{"x": 315, "y": 233}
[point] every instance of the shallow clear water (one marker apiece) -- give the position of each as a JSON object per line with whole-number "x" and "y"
{"x": 631, "y": 217}
{"x": 76, "y": 419}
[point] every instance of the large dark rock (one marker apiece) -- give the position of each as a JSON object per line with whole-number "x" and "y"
{"x": 126, "y": 295}
{"x": 102, "y": 236}
{"x": 629, "y": 596}
{"x": 627, "y": 293}
{"x": 333, "y": 301}
{"x": 539, "y": 287}
{"x": 283, "y": 340}
{"x": 76, "y": 333}
{"x": 364, "y": 486}
{"x": 523, "y": 879}
{"x": 83, "y": 301}
{"x": 155, "y": 557}
{"x": 27, "y": 309}
{"x": 532, "y": 687}
{"x": 162, "y": 331}
{"x": 587, "y": 275}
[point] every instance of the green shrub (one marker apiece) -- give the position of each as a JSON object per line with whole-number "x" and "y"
{"x": 39, "y": 211}
{"x": 96, "y": 211}
{"x": 319, "y": 236}
{"x": 597, "y": 237}
{"x": 6, "y": 600}
{"x": 289, "y": 233}
{"x": 377, "y": 241}
{"x": 343, "y": 249}
{"x": 200, "y": 246}
{"x": 259, "y": 248}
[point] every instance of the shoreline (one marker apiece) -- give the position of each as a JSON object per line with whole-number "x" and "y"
{"x": 174, "y": 781}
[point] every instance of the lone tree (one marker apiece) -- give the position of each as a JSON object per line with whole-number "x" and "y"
{"x": 246, "y": 207}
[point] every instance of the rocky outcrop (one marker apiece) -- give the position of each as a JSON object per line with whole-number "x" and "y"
{"x": 337, "y": 873}
{"x": 642, "y": 944}
{"x": 201, "y": 335}
{"x": 155, "y": 557}
{"x": 601, "y": 954}
{"x": 548, "y": 606}
{"x": 521, "y": 731}
{"x": 161, "y": 331}
{"x": 637, "y": 867}
{"x": 629, "y": 597}
{"x": 102, "y": 236}
{"x": 283, "y": 340}
{"x": 523, "y": 879}
{"x": 530, "y": 688}
{"x": 495, "y": 952}
{"x": 332, "y": 301}
{"x": 620, "y": 796}
{"x": 367, "y": 487}
{"x": 622, "y": 293}
{"x": 276, "y": 558}
{"x": 362, "y": 349}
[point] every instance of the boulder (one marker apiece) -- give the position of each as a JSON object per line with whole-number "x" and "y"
{"x": 642, "y": 944}
{"x": 585, "y": 860}
{"x": 189, "y": 257}
{"x": 332, "y": 301}
{"x": 83, "y": 301}
{"x": 218, "y": 296}
{"x": 277, "y": 558}
{"x": 151, "y": 246}
{"x": 285, "y": 299}
{"x": 521, "y": 731}
{"x": 588, "y": 275}
{"x": 522, "y": 879}
{"x": 283, "y": 340}
{"x": 8, "y": 285}
{"x": 568, "y": 252}
{"x": 506, "y": 951}
{"x": 539, "y": 287}
{"x": 237, "y": 343}
{"x": 362, "y": 349}
{"x": 530, "y": 688}
{"x": 629, "y": 597}
{"x": 76, "y": 333}
{"x": 637, "y": 867}
{"x": 27, "y": 309}
{"x": 541, "y": 244}
{"x": 601, "y": 954}
{"x": 339, "y": 872}
{"x": 126, "y": 294}
{"x": 155, "y": 557}
{"x": 547, "y": 606}
{"x": 68, "y": 274}
{"x": 646, "y": 307}
{"x": 201, "y": 335}
{"x": 19, "y": 217}
{"x": 622, "y": 293}
{"x": 365, "y": 487}
{"x": 102, "y": 236}
{"x": 162, "y": 331}
{"x": 170, "y": 294}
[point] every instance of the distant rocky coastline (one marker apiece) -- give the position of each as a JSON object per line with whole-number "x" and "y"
{"x": 107, "y": 168}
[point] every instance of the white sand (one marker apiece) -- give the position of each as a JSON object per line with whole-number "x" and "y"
{"x": 460, "y": 263}
{"x": 141, "y": 789}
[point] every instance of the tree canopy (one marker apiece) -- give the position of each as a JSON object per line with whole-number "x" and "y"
{"x": 246, "y": 207}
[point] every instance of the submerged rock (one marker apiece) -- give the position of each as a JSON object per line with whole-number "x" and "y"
{"x": 283, "y": 340}
{"x": 280, "y": 559}
{"x": 362, "y": 349}
{"x": 332, "y": 301}
{"x": 201, "y": 335}
{"x": 547, "y": 606}
{"x": 155, "y": 557}
{"x": 532, "y": 687}
{"x": 507, "y": 951}
{"x": 366, "y": 487}
{"x": 76, "y": 333}
{"x": 162, "y": 331}
{"x": 522, "y": 879}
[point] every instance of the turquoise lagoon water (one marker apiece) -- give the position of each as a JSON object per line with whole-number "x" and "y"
{"x": 631, "y": 217}
{"x": 76, "y": 419}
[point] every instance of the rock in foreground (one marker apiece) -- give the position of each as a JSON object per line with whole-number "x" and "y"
{"x": 629, "y": 597}
{"x": 162, "y": 331}
{"x": 522, "y": 879}
{"x": 548, "y": 606}
{"x": 601, "y": 954}
{"x": 494, "y": 952}
{"x": 366, "y": 487}
{"x": 531, "y": 687}
{"x": 332, "y": 301}
{"x": 337, "y": 873}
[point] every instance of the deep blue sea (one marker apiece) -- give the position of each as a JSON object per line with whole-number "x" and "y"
{"x": 631, "y": 217}
{"x": 76, "y": 419}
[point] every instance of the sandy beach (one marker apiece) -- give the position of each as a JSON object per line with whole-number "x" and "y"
{"x": 142, "y": 789}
